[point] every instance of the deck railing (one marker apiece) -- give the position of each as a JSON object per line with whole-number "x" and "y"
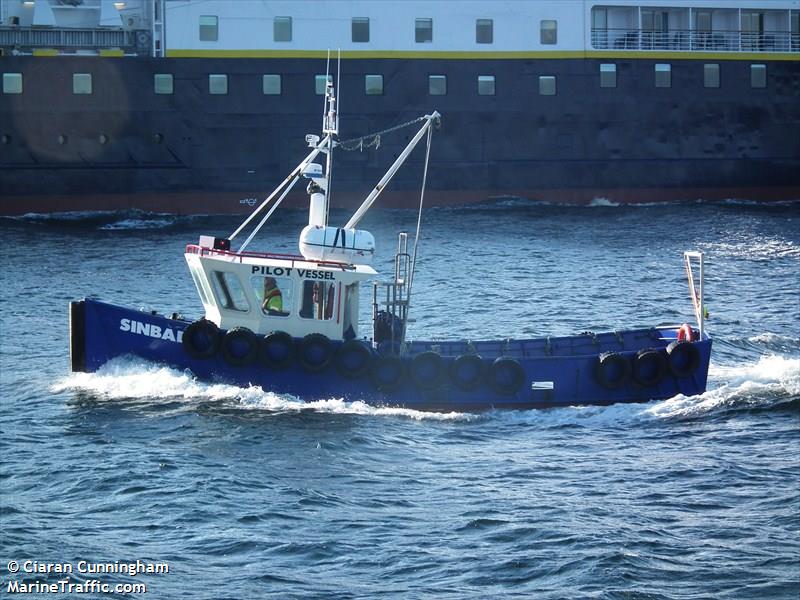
{"x": 693, "y": 40}
{"x": 26, "y": 39}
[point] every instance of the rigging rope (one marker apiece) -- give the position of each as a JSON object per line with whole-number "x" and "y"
{"x": 373, "y": 140}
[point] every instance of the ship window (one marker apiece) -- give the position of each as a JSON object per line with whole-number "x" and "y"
{"x": 486, "y": 85}
{"x": 282, "y": 29}
{"x": 198, "y": 282}
{"x": 274, "y": 294}
{"x": 548, "y": 33}
{"x": 484, "y": 31}
{"x": 608, "y": 75}
{"x": 12, "y": 83}
{"x": 81, "y": 83}
{"x": 209, "y": 28}
{"x": 373, "y": 85}
{"x": 437, "y": 85}
{"x": 711, "y": 76}
{"x": 271, "y": 85}
{"x": 217, "y": 84}
{"x": 423, "y": 31}
{"x": 319, "y": 83}
{"x": 547, "y": 85}
{"x": 758, "y": 76}
{"x": 599, "y": 27}
{"x": 663, "y": 75}
{"x": 162, "y": 83}
{"x": 319, "y": 300}
{"x": 360, "y": 29}
{"x": 795, "y": 46}
{"x": 229, "y": 291}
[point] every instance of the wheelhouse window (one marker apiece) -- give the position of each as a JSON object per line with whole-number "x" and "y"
{"x": 209, "y": 28}
{"x": 758, "y": 76}
{"x": 199, "y": 284}
{"x": 486, "y": 85}
{"x": 608, "y": 75}
{"x": 218, "y": 84}
{"x": 360, "y": 29}
{"x": 423, "y": 31}
{"x": 12, "y": 83}
{"x": 663, "y": 75}
{"x": 274, "y": 294}
{"x": 163, "y": 83}
{"x": 548, "y": 32}
{"x": 484, "y": 31}
{"x": 319, "y": 300}
{"x": 711, "y": 76}
{"x": 282, "y": 29}
{"x": 271, "y": 85}
{"x": 81, "y": 83}
{"x": 229, "y": 292}
{"x": 373, "y": 85}
{"x": 319, "y": 83}
{"x": 437, "y": 85}
{"x": 547, "y": 85}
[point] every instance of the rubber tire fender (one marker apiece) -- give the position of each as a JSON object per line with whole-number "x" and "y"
{"x": 468, "y": 362}
{"x": 396, "y": 368}
{"x": 201, "y": 327}
{"x": 343, "y": 359}
{"x": 505, "y": 376}
{"x": 240, "y": 334}
{"x": 608, "y": 360}
{"x": 653, "y": 359}
{"x": 684, "y": 358}
{"x": 277, "y": 339}
{"x": 427, "y": 370}
{"x": 311, "y": 344}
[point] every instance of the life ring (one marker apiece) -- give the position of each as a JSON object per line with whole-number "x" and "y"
{"x": 466, "y": 372}
{"x": 684, "y": 358}
{"x": 649, "y": 367}
{"x": 201, "y": 339}
{"x": 685, "y": 333}
{"x": 387, "y": 372}
{"x": 612, "y": 370}
{"x": 240, "y": 347}
{"x": 277, "y": 350}
{"x": 353, "y": 359}
{"x": 427, "y": 370}
{"x": 315, "y": 352}
{"x": 505, "y": 376}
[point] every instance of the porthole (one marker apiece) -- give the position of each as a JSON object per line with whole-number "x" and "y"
{"x": 103, "y": 138}
{"x": 62, "y": 139}
{"x": 5, "y": 139}
{"x": 157, "y": 138}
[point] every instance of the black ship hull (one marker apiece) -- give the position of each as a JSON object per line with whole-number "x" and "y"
{"x": 123, "y": 146}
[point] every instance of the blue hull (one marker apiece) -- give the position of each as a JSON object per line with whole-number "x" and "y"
{"x": 517, "y": 374}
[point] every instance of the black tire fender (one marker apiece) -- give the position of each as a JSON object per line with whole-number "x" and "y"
{"x": 684, "y": 358}
{"x": 612, "y": 370}
{"x": 237, "y": 337}
{"x": 467, "y": 372}
{"x": 277, "y": 350}
{"x": 505, "y": 376}
{"x": 649, "y": 367}
{"x": 387, "y": 372}
{"x": 315, "y": 352}
{"x": 353, "y": 359}
{"x": 427, "y": 369}
{"x": 201, "y": 339}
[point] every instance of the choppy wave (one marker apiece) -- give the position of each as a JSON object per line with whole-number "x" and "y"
{"x": 771, "y": 381}
{"x": 137, "y": 380}
{"x": 108, "y": 219}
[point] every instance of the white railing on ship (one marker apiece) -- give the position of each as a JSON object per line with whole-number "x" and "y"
{"x": 66, "y": 38}
{"x": 693, "y": 40}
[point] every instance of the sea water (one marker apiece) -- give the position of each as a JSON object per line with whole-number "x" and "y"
{"x": 243, "y": 493}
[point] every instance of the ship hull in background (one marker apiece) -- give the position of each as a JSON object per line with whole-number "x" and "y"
{"x": 125, "y": 147}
